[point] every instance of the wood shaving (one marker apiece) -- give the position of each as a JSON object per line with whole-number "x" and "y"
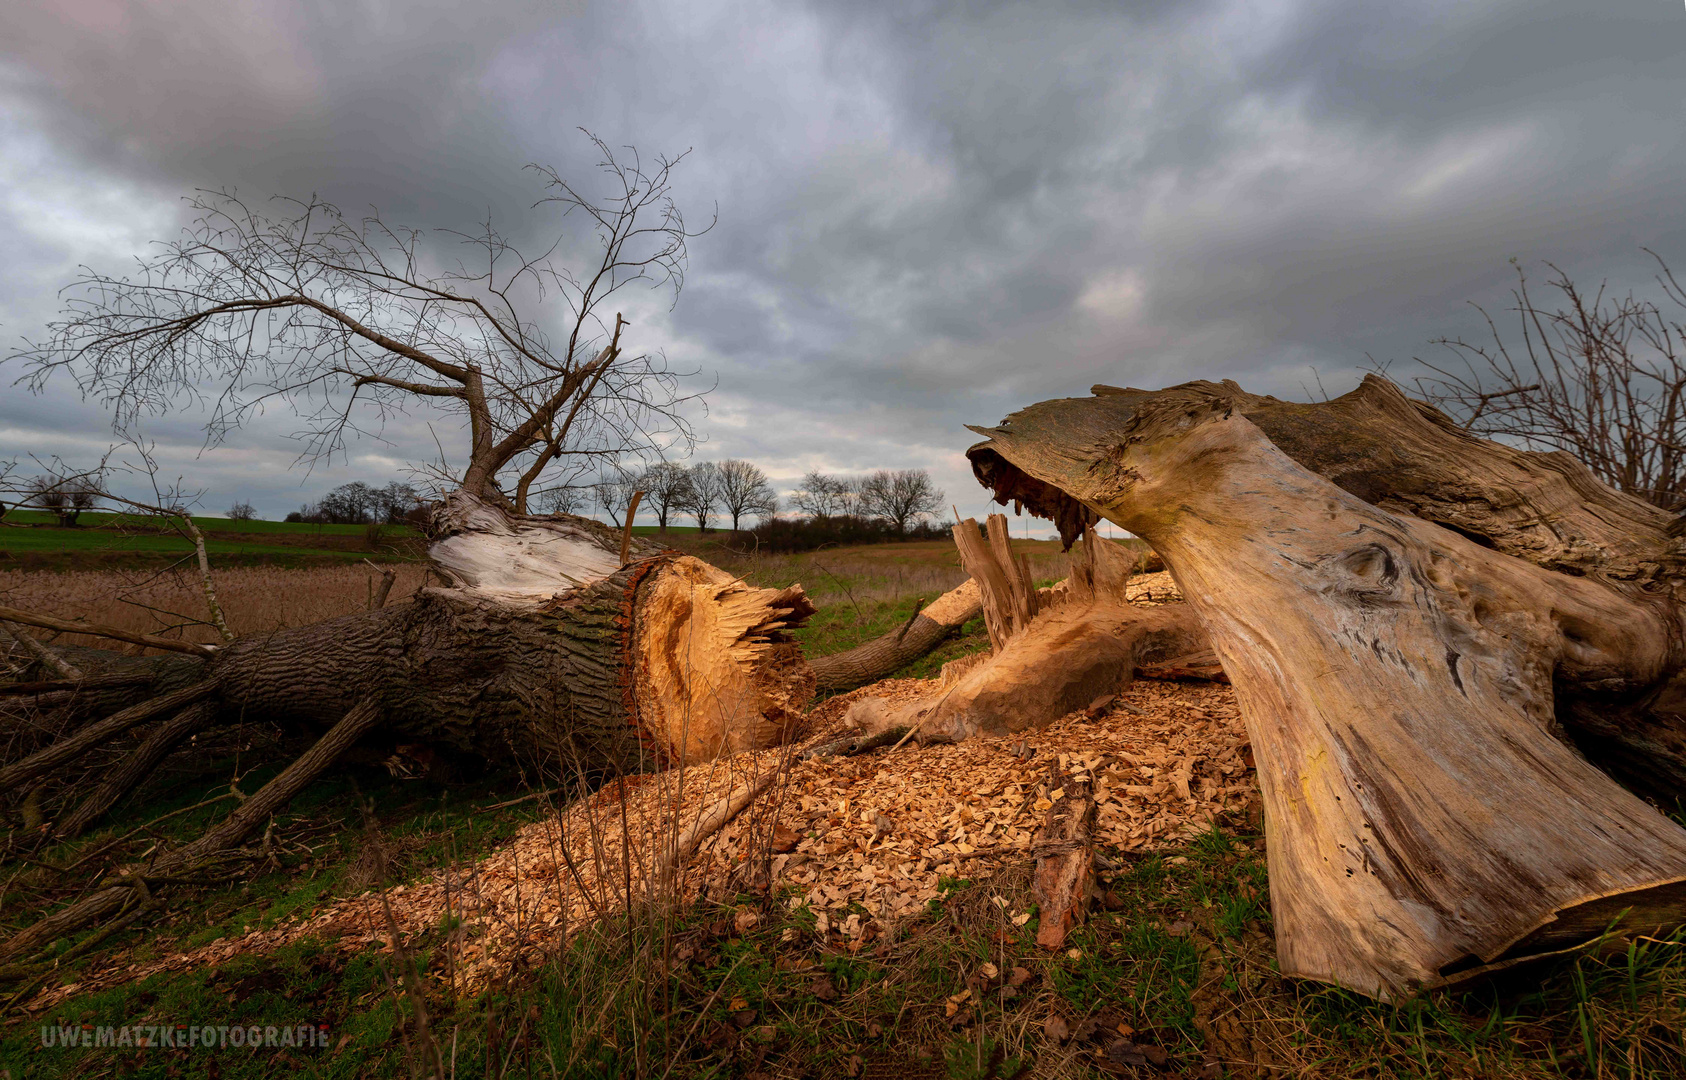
{"x": 876, "y": 834}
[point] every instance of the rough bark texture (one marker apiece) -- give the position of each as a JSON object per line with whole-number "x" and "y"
{"x": 1065, "y": 862}
{"x": 1403, "y": 677}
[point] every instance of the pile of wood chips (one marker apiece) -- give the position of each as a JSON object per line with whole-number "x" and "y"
{"x": 862, "y": 840}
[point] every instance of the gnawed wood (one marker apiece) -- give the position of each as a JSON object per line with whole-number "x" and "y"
{"x": 1423, "y": 813}
{"x": 1081, "y": 641}
{"x": 716, "y": 669}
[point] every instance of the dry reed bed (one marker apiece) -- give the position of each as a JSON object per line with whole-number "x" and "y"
{"x": 255, "y": 600}
{"x": 878, "y": 831}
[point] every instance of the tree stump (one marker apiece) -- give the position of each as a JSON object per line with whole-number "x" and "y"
{"x": 1411, "y": 618}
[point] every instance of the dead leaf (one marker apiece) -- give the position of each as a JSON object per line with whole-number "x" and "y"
{"x": 1125, "y": 1052}
{"x": 1019, "y": 976}
{"x": 823, "y": 989}
{"x": 785, "y": 839}
{"x": 1055, "y": 1028}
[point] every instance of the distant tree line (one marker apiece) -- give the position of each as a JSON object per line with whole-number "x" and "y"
{"x": 733, "y": 489}
{"x": 885, "y": 504}
{"x": 356, "y": 503}
{"x": 900, "y": 498}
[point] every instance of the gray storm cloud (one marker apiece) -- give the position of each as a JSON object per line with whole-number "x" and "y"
{"x": 928, "y": 214}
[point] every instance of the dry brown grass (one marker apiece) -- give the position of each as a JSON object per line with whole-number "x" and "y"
{"x": 255, "y": 600}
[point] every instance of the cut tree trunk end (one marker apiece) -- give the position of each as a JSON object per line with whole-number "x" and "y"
{"x": 1403, "y": 681}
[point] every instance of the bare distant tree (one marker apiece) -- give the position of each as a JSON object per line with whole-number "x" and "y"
{"x": 65, "y": 497}
{"x": 900, "y": 496}
{"x": 7, "y": 469}
{"x": 744, "y": 490}
{"x": 393, "y": 503}
{"x": 667, "y": 485}
{"x": 823, "y": 495}
{"x": 349, "y": 504}
{"x": 702, "y": 494}
{"x": 564, "y": 499}
{"x": 1599, "y": 377}
{"x": 242, "y": 511}
{"x": 613, "y": 493}
{"x": 344, "y": 321}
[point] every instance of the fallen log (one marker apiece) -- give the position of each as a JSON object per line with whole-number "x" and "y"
{"x": 1056, "y": 650}
{"x": 1406, "y": 660}
{"x": 929, "y": 627}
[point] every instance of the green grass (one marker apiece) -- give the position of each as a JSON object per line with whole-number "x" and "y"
{"x": 31, "y": 538}
{"x": 1178, "y": 962}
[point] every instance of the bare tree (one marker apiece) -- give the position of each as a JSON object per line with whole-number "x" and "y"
{"x": 242, "y": 511}
{"x": 550, "y": 640}
{"x": 823, "y": 495}
{"x": 701, "y": 496}
{"x": 345, "y": 321}
{"x": 900, "y": 496}
{"x": 564, "y": 499}
{"x": 394, "y": 502}
{"x": 613, "y": 493}
{"x": 744, "y": 490}
{"x": 667, "y": 485}
{"x": 1600, "y": 377}
{"x": 49, "y": 495}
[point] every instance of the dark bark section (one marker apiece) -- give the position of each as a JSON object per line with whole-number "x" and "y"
{"x": 135, "y": 768}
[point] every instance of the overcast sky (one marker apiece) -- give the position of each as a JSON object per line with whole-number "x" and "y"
{"x": 929, "y": 214}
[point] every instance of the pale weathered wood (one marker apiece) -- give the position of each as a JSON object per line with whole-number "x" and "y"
{"x": 1423, "y": 813}
{"x": 1084, "y": 641}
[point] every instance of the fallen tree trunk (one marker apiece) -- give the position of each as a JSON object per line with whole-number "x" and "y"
{"x": 543, "y": 645}
{"x": 1410, "y": 617}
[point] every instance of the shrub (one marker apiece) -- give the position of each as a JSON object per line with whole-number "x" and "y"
{"x": 781, "y": 535}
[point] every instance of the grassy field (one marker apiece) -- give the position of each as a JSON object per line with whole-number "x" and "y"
{"x": 32, "y": 539}
{"x": 1174, "y": 974}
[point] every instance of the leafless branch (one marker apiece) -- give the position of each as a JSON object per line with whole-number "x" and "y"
{"x": 1600, "y": 377}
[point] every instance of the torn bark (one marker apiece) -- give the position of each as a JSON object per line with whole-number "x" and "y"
{"x": 1065, "y": 871}
{"x": 1402, "y": 683}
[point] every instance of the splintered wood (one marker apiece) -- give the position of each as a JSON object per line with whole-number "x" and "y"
{"x": 861, "y": 840}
